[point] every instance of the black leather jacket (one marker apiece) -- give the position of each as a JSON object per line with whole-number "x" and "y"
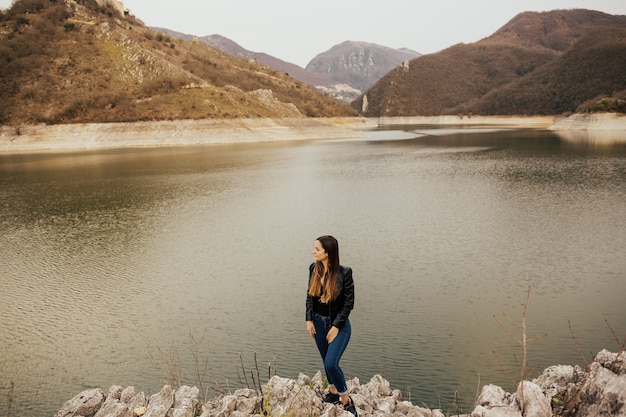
{"x": 339, "y": 308}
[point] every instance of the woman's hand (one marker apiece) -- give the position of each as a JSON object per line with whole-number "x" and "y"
{"x": 332, "y": 333}
{"x": 310, "y": 328}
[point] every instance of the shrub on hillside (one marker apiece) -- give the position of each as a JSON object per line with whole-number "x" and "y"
{"x": 603, "y": 105}
{"x": 23, "y": 7}
{"x": 55, "y": 70}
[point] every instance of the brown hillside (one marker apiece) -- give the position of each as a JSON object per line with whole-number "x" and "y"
{"x": 594, "y": 66}
{"x": 233, "y": 48}
{"x": 455, "y": 80}
{"x": 557, "y": 30}
{"x": 435, "y": 84}
{"x": 67, "y": 62}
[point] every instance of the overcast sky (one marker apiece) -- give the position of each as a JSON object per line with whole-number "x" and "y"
{"x": 296, "y": 31}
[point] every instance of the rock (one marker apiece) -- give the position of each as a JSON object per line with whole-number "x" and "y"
{"x": 379, "y": 386}
{"x": 85, "y": 404}
{"x": 244, "y": 402}
{"x": 159, "y": 404}
{"x": 615, "y": 362}
{"x": 139, "y": 411}
{"x": 482, "y": 411}
{"x": 533, "y": 402}
{"x": 603, "y": 393}
{"x": 493, "y": 396}
{"x": 112, "y": 406}
{"x": 135, "y": 401}
{"x": 114, "y": 409}
{"x": 266, "y": 97}
{"x": 386, "y": 405}
{"x": 405, "y": 408}
{"x": 598, "y": 390}
{"x": 117, "y": 5}
{"x": 555, "y": 379}
{"x": 493, "y": 401}
{"x": 185, "y": 402}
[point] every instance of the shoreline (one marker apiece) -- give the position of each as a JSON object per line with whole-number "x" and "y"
{"x": 100, "y": 136}
{"x": 97, "y": 136}
{"x": 538, "y": 122}
{"x": 598, "y": 389}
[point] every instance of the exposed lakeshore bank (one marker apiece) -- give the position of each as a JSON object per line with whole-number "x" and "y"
{"x": 93, "y": 136}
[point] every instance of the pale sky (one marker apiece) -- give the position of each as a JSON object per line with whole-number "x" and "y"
{"x": 296, "y": 31}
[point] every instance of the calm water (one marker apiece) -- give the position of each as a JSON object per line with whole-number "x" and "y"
{"x": 107, "y": 257}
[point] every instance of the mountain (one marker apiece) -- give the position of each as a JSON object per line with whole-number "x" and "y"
{"x": 233, "y": 48}
{"x": 343, "y": 72}
{"x": 78, "y": 61}
{"x": 592, "y": 67}
{"x": 359, "y": 64}
{"x": 538, "y": 63}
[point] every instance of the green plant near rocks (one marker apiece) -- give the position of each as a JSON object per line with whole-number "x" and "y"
{"x": 266, "y": 407}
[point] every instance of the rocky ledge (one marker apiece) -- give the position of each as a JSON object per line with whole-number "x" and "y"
{"x": 598, "y": 390}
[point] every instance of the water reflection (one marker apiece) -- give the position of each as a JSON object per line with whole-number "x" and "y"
{"x": 109, "y": 255}
{"x": 593, "y": 139}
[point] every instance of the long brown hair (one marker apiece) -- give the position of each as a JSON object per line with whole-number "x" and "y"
{"x": 329, "y": 276}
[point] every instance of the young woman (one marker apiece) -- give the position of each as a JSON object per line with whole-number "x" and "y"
{"x": 329, "y": 300}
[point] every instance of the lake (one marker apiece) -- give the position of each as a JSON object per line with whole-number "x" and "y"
{"x": 111, "y": 260}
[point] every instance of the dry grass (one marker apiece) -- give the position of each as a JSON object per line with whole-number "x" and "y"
{"x": 70, "y": 63}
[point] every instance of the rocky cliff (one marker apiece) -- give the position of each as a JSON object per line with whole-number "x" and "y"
{"x": 358, "y": 64}
{"x": 116, "y": 5}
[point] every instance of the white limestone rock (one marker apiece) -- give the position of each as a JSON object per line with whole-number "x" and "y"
{"x": 87, "y": 403}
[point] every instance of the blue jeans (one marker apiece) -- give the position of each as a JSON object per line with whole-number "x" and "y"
{"x": 331, "y": 352}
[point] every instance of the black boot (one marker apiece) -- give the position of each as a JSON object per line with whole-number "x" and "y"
{"x": 350, "y": 407}
{"x": 331, "y": 398}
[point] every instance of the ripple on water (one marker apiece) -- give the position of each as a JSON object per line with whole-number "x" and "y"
{"x": 104, "y": 263}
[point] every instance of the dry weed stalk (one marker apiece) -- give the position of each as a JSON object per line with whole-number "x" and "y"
{"x": 523, "y": 342}
{"x": 622, "y": 345}
{"x": 254, "y": 374}
{"x": 574, "y": 401}
{"x": 578, "y": 349}
{"x": 243, "y": 368}
{"x": 10, "y": 399}
{"x": 169, "y": 364}
{"x": 203, "y": 370}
